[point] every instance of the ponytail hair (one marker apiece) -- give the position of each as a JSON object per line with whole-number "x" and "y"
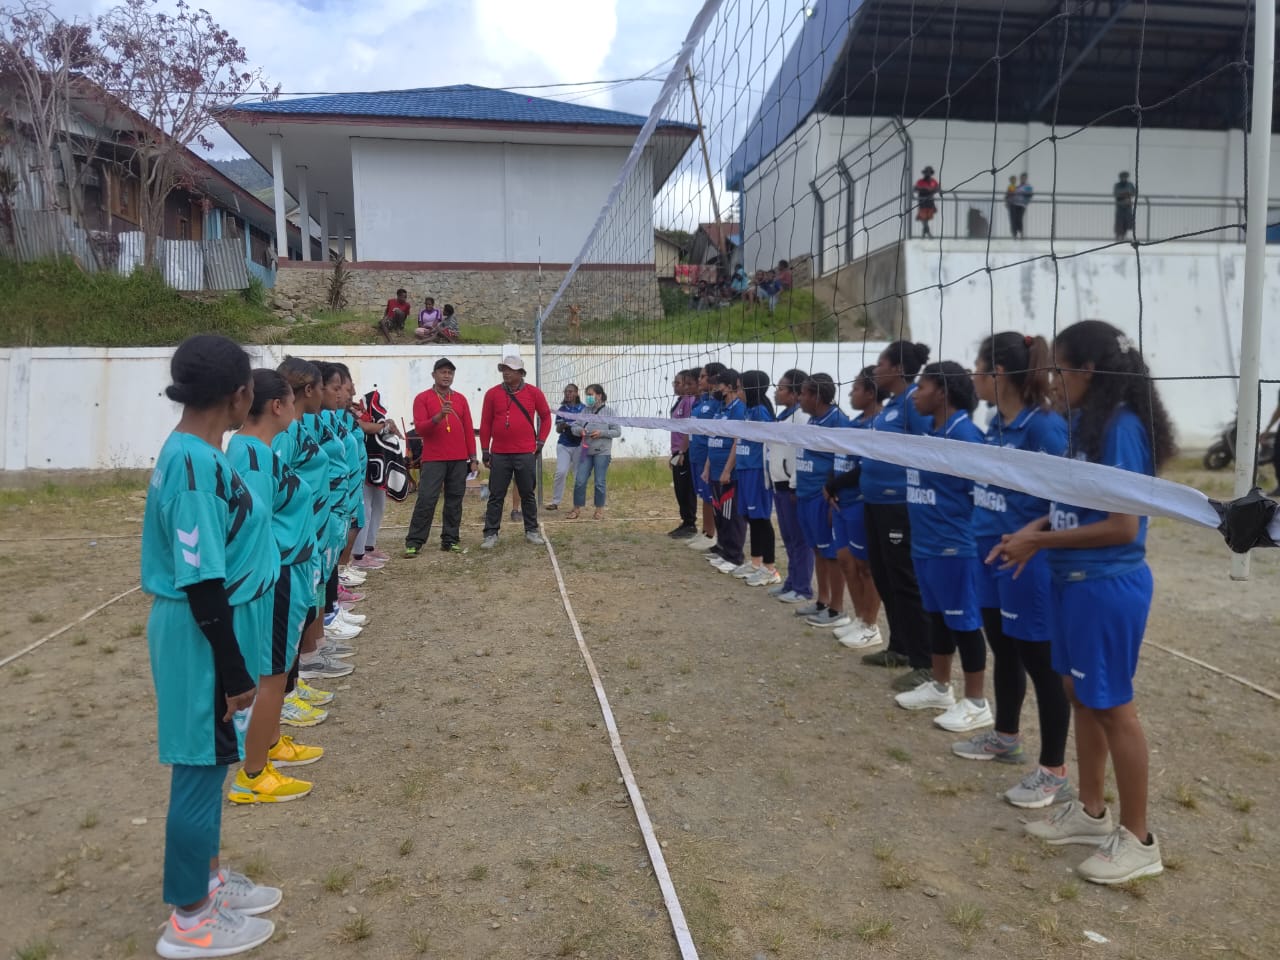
{"x": 823, "y": 386}
{"x": 956, "y": 384}
{"x": 300, "y": 373}
{"x": 206, "y": 369}
{"x": 1026, "y": 361}
{"x": 268, "y": 385}
{"x": 907, "y": 355}
{"x": 1121, "y": 378}
{"x": 755, "y": 388}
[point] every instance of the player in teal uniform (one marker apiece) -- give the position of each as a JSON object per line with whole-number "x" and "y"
{"x": 348, "y": 428}
{"x": 200, "y": 554}
{"x": 1101, "y": 596}
{"x": 333, "y": 397}
{"x": 292, "y": 549}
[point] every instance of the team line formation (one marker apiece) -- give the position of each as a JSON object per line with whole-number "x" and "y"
{"x": 253, "y": 557}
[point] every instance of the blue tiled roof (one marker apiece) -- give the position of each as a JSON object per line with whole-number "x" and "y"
{"x": 459, "y": 102}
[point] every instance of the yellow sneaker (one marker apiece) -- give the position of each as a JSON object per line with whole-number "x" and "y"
{"x": 309, "y": 694}
{"x": 269, "y": 786}
{"x": 296, "y": 713}
{"x": 286, "y": 753}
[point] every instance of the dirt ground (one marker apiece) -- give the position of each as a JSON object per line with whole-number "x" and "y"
{"x": 469, "y": 805}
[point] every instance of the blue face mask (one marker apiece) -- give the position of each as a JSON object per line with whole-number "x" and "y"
{"x": 590, "y": 400}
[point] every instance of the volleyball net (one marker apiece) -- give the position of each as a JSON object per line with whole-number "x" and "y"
{"x": 818, "y": 180}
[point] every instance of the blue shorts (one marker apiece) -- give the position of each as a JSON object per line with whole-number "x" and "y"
{"x": 949, "y": 586}
{"x": 700, "y": 487}
{"x": 815, "y": 525}
{"x": 1025, "y": 604}
{"x": 1098, "y": 632}
{"x": 755, "y": 498}
{"x": 850, "y": 530}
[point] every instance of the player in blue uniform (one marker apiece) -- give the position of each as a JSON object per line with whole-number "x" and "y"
{"x": 717, "y": 475}
{"x": 755, "y": 495}
{"x": 705, "y": 407}
{"x": 884, "y": 492}
{"x": 1101, "y": 597}
{"x": 1012, "y": 375}
{"x": 946, "y": 557}
{"x": 781, "y": 460}
{"x": 813, "y": 470}
{"x": 293, "y": 552}
{"x": 850, "y": 527}
{"x": 201, "y": 560}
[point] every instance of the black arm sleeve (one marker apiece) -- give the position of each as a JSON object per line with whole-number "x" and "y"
{"x": 209, "y": 606}
{"x": 845, "y": 481}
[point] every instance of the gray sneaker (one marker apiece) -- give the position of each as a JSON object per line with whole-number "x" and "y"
{"x": 320, "y": 667}
{"x": 489, "y": 542}
{"x": 912, "y": 679}
{"x": 1039, "y": 788}
{"x": 534, "y": 537}
{"x": 1121, "y": 858}
{"x": 987, "y": 745}
{"x": 825, "y": 618}
{"x": 220, "y": 932}
{"x": 808, "y": 609}
{"x": 1070, "y": 824}
{"x": 244, "y": 896}
{"x": 779, "y": 590}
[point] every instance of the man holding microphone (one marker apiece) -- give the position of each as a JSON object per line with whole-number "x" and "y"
{"x": 442, "y": 420}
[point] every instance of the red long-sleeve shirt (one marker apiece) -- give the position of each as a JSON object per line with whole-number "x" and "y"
{"x": 504, "y": 429}
{"x": 454, "y": 437}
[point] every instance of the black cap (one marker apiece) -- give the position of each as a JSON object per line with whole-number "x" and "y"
{"x": 443, "y": 362}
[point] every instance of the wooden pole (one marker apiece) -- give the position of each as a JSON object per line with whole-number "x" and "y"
{"x": 706, "y": 160}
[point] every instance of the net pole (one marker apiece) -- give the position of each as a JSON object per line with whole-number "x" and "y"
{"x": 1255, "y": 240}
{"x": 537, "y": 379}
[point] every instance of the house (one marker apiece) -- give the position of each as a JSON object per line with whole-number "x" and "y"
{"x": 96, "y": 216}
{"x": 717, "y": 243}
{"x": 481, "y": 197}
{"x": 667, "y": 251}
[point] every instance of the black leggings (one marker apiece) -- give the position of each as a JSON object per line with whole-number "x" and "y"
{"x": 944, "y": 642}
{"x": 889, "y": 546}
{"x": 762, "y": 539}
{"x": 1014, "y": 660}
{"x": 331, "y": 592}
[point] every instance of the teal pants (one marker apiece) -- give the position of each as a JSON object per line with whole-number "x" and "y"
{"x": 193, "y": 832}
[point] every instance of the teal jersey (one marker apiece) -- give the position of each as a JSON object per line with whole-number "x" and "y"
{"x": 354, "y": 445}
{"x": 332, "y": 445}
{"x": 301, "y": 453}
{"x": 269, "y": 477}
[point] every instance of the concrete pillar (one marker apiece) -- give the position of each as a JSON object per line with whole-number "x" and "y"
{"x": 340, "y": 233}
{"x": 323, "y": 197}
{"x": 277, "y": 184}
{"x": 304, "y": 211}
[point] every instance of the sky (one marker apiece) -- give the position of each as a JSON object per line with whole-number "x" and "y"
{"x": 340, "y": 45}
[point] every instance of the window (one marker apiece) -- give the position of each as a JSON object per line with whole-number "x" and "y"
{"x": 125, "y": 197}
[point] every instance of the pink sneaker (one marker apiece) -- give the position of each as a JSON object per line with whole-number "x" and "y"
{"x": 369, "y": 562}
{"x": 348, "y": 596}
{"x": 377, "y": 555}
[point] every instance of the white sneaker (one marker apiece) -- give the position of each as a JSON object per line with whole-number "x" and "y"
{"x": 927, "y": 696}
{"x": 359, "y": 576}
{"x": 700, "y": 542}
{"x": 726, "y": 566}
{"x": 352, "y": 619}
{"x": 337, "y": 630}
{"x": 764, "y": 577}
{"x": 858, "y": 635}
{"x": 745, "y": 569}
{"x": 349, "y": 580}
{"x": 965, "y": 716}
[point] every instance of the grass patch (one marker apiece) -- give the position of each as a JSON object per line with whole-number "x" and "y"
{"x": 109, "y": 485}
{"x": 89, "y": 821}
{"x": 337, "y": 879}
{"x": 478, "y": 872}
{"x": 258, "y": 868}
{"x": 355, "y": 327}
{"x": 420, "y": 941}
{"x": 1185, "y": 797}
{"x": 35, "y": 950}
{"x": 896, "y": 876}
{"x": 38, "y": 618}
{"x": 1241, "y": 804}
{"x": 898, "y": 754}
{"x": 354, "y": 930}
{"x": 966, "y": 917}
{"x": 406, "y": 846}
{"x": 874, "y": 929}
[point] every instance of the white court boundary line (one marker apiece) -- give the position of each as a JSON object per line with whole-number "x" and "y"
{"x": 61, "y": 630}
{"x": 1265, "y": 691}
{"x": 678, "y": 923}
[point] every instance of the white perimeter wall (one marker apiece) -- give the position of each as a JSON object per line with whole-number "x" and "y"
{"x": 492, "y": 202}
{"x": 1192, "y": 295}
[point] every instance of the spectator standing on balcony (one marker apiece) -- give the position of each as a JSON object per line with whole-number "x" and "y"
{"x": 927, "y": 189}
{"x": 1126, "y": 193}
{"x": 1017, "y": 201}
{"x": 1009, "y": 193}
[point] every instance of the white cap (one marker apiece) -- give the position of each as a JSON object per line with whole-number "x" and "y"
{"x": 513, "y": 361}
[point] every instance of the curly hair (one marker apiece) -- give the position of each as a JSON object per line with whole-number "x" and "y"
{"x": 1120, "y": 378}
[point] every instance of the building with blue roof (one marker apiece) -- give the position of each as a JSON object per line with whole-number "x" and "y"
{"x": 454, "y": 191}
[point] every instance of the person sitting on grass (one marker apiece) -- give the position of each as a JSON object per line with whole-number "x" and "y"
{"x": 444, "y": 330}
{"x": 395, "y": 314}
{"x": 739, "y": 283}
{"x": 428, "y": 320}
{"x": 768, "y": 290}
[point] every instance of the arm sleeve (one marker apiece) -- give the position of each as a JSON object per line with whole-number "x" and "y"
{"x": 422, "y": 415}
{"x": 486, "y": 420}
{"x": 543, "y": 410}
{"x": 612, "y": 430}
{"x": 212, "y": 612}
{"x": 467, "y": 427}
{"x": 845, "y": 481}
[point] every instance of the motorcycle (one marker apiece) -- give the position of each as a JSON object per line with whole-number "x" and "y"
{"x": 1222, "y": 453}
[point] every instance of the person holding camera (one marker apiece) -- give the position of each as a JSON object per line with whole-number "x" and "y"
{"x": 442, "y": 420}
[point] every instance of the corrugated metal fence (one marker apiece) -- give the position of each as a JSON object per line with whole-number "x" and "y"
{"x": 28, "y": 235}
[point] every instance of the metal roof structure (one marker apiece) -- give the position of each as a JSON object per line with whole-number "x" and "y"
{"x": 1180, "y": 64}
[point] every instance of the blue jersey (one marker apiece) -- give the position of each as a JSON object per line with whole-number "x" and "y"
{"x": 704, "y": 408}
{"x": 1125, "y": 444}
{"x": 567, "y": 439}
{"x": 271, "y": 481}
{"x": 997, "y": 510}
{"x": 719, "y": 448}
{"x": 940, "y": 505}
{"x": 298, "y": 448}
{"x": 886, "y": 482}
{"x": 814, "y": 467}
{"x": 845, "y": 462}
{"x": 751, "y": 452}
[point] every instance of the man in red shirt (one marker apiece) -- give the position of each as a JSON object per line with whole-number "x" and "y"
{"x": 514, "y": 423}
{"x": 442, "y": 420}
{"x": 394, "y": 316}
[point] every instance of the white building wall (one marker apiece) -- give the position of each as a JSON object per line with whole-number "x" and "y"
{"x": 438, "y": 201}
{"x": 779, "y": 215}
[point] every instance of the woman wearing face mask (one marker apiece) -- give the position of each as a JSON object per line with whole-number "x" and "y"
{"x": 597, "y": 451}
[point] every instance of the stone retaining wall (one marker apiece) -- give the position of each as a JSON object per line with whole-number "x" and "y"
{"x": 506, "y": 297}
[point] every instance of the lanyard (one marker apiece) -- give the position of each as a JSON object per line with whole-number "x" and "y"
{"x": 447, "y": 427}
